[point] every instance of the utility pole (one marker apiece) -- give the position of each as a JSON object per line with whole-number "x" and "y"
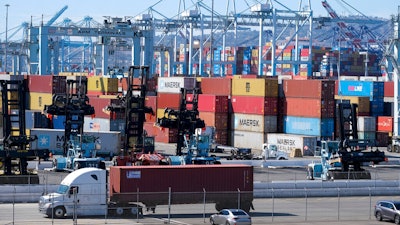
{"x": 6, "y": 49}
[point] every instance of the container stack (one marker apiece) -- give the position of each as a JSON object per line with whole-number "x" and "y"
{"x": 214, "y": 106}
{"x": 309, "y": 107}
{"x": 254, "y": 111}
{"x": 384, "y": 130}
{"x": 366, "y": 127}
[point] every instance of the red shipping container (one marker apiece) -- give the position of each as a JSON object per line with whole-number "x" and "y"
{"x": 384, "y": 124}
{"x": 218, "y": 120}
{"x": 388, "y": 89}
{"x": 168, "y": 100}
{"x": 221, "y": 137}
{"x": 211, "y": 103}
{"x": 100, "y": 106}
{"x": 47, "y": 84}
{"x": 216, "y": 86}
{"x": 259, "y": 105}
{"x": 163, "y": 135}
{"x": 322, "y": 89}
{"x": 309, "y": 107}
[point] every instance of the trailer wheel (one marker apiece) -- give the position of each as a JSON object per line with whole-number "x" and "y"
{"x": 389, "y": 148}
{"x": 396, "y": 149}
{"x": 119, "y": 211}
{"x": 59, "y": 212}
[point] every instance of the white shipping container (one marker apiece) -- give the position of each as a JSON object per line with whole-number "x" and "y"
{"x": 248, "y": 139}
{"x": 366, "y": 123}
{"x": 174, "y": 84}
{"x": 287, "y": 142}
{"x": 255, "y": 123}
{"x": 96, "y": 124}
{"x": 53, "y": 140}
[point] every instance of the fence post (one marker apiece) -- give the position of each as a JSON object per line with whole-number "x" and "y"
{"x": 338, "y": 205}
{"x": 75, "y": 219}
{"x": 370, "y": 202}
{"x": 305, "y": 191}
{"x": 169, "y": 205}
{"x": 238, "y": 198}
{"x": 13, "y": 214}
{"x": 273, "y": 205}
{"x": 204, "y": 205}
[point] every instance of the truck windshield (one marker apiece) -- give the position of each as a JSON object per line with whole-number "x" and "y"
{"x": 62, "y": 189}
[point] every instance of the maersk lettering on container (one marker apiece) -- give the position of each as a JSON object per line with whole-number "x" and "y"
{"x": 356, "y": 88}
{"x": 174, "y": 84}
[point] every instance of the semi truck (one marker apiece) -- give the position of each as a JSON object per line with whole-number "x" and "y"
{"x": 126, "y": 190}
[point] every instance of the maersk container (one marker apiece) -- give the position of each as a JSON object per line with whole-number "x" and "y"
{"x": 53, "y": 140}
{"x": 248, "y": 139}
{"x": 322, "y": 127}
{"x": 174, "y": 84}
{"x": 288, "y": 142}
{"x": 255, "y": 123}
{"x": 157, "y": 185}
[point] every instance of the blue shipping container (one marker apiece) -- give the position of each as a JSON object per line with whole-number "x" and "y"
{"x": 356, "y": 88}
{"x": 58, "y": 122}
{"x": 309, "y": 126}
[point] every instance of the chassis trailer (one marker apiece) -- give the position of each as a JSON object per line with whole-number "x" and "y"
{"x": 133, "y": 187}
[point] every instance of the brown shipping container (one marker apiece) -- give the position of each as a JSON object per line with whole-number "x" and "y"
{"x": 221, "y": 137}
{"x": 153, "y": 183}
{"x": 216, "y": 86}
{"x": 168, "y": 100}
{"x": 255, "y": 87}
{"x": 255, "y": 105}
{"x": 217, "y": 120}
{"x": 321, "y": 89}
{"x": 309, "y": 107}
{"x": 382, "y": 139}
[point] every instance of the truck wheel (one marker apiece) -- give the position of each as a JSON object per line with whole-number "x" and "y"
{"x": 119, "y": 211}
{"x": 389, "y": 148}
{"x": 59, "y": 212}
{"x": 77, "y": 165}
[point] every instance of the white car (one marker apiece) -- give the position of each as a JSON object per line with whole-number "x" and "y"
{"x": 231, "y": 217}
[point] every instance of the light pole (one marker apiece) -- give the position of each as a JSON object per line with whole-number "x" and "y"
{"x": 5, "y": 64}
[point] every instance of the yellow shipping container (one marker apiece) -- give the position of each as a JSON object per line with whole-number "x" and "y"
{"x": 362, "y": 102}
{"x": 160, "y": 113}
{"x": 255, "y": 87}
{"x": 37, "y": 100}
{"x": 102, "y": 85}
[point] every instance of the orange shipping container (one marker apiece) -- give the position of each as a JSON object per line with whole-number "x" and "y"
{"x": 216, "y": 86}
{"x": 217, "y": 120}
{"x": 310, "y": 107}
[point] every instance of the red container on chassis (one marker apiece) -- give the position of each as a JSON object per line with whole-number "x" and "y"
{"x": 321, "y": 89}
{"x": 213, "y": 119}
{"x": 216, "y": 86}
{"x": 47, "y": 84}
{"x": 168, "y": 100}
{"x": 384, "y": 124}
{"x": 309, "y": 107}
{"x": 255, "y": 105}
{"x": 187, "y": 184}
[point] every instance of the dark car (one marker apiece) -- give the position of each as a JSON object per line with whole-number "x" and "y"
{"x": 230, "y": 217}
{"x": 387, "y": 210}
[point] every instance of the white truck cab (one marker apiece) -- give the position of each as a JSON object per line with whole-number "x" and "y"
{"x": 82, "y": 192}
{"x": 270, "y": 151}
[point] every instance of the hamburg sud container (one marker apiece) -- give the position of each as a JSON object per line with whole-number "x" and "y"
{"x": 186, "y": 184}
{"x": 288, "y": 142}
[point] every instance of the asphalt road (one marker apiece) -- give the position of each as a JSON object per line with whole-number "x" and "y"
{"x": 351, "y": 211}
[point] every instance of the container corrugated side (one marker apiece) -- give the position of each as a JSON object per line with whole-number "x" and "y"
{"x": 310, "y": 107}
{"x": 320, "y": 89}
{"x": 287, "y": 142}
{"x": 253, "y": 122}
{"x": 384, "y": 123}
{"x": 168, "y": 100}
{"x": 321, "y": 127}
{"x": 218, "y": 120}
{"x": 259, "y": 105}
{"x": 216, "y": 86}
{"x": 366, "y": 123}
{"x": 255, "y": 87}
{"x": 211, "y": 178}
{"x": 102, "y": 85}
{"x": 248, "y": 139}
{"x": 174, "y": 84}
{"x": 355, "y": 88}
{"x": 38, "y": 100}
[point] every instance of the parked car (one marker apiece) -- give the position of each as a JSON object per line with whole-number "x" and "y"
{"x": 387, "y": 210}
{"x": 231, "y": 217}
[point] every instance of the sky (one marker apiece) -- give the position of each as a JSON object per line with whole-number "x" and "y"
{"x": 20, "y": 11}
